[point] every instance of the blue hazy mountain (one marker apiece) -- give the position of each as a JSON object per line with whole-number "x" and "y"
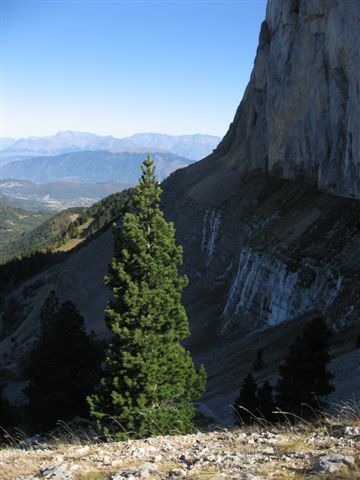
{"x": 194, "y": 147}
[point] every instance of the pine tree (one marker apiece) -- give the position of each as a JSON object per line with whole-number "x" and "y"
{"x": 304, "y": 377}
{"x": 7, "y": 414}
{"x": 266, "y": 404}
{"x": 48, "y": 313}
{"x": 247, "y": 404}
{"x": 64, "y": 365}
{"x": 259, "y": 362}
{"x": 150, "y": 379}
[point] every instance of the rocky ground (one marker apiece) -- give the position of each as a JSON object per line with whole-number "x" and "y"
{"x": 328, "y": 452}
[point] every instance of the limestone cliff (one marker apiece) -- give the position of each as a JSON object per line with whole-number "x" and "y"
{"x": 267, "y": 244}
{"x": 300, "y": 115}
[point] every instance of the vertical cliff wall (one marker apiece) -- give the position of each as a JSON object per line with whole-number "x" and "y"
{"x": 266, "y": 243}
{"x": 300, "y": 115}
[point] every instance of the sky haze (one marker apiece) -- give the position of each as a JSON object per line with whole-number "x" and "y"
{"x": 121, "y": 67}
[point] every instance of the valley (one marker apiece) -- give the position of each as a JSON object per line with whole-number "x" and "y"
{"x": 54, "y": 196}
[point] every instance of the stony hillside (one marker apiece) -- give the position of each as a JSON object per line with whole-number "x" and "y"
{"x": 328, "y": 452}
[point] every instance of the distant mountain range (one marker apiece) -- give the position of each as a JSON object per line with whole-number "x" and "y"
{"x": 92, "y": 167}
{"x": 6, "y": 142}
{"x": 193, "y": 147}
{"x": 54, "y": 196}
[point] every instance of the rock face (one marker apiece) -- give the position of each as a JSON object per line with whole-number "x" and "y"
{"x": 299, "y": 117}
{"x": 265, "y": 240}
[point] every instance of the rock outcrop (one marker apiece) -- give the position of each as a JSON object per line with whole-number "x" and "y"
{"x": 300, "y": 115}
{"x": 256, "y": 454}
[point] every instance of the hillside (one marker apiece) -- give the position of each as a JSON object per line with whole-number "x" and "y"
{"x": 54, "y": 196}
{"x": 92, "y": 167}
{"x": 15, "y": 222}
{"x": 63, "y": 231}
{"x": 325, "y": 451}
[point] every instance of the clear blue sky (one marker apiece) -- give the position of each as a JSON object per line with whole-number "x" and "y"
{"x": 121, "y": 67}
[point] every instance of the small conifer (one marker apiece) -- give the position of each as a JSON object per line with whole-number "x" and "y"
{"x": 246, "y": 405}
{"x": 150, "y": 379}
{"x": 304, "y": 377}
{"x": 259, "y": 361}
{"x": 63, "y": 367}
{"x": 266, "y": 404}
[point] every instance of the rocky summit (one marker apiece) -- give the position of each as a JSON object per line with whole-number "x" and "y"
{"x": 299, "y": 117}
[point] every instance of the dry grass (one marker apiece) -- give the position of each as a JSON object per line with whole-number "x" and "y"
{"x": 287, "y": 451}
{"x": 293, "y": 444}
{"x": 69, "y": 245}
{"x": 97, "y": 475}
{"x": 209, "y": 473}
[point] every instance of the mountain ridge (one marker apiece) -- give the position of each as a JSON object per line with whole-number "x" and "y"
{"x": 92, "y": 166}
{"x": 197, "y": 145}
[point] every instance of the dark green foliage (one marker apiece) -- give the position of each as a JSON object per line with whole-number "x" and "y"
{"x": 150, "y": 379}
{"x": 15, "y": 222}
{"x": 105, "y": 212}
{"x": 48, "y": 313}
{"x": 7, "y": 414}
{"x": 43, "y": 240}
{"x": 254, "y": 402}
{"x": 246, "y": 405}
{"x": 259, "y": 362}
{"x": 18, "y": 270}
{"x": 266, "y": 404}
{"x": 51, "y": 233}
{"x": 12, "y": 317}
{"x": 63, "y": 366}
{"x": 47, "y": 234}
{"x": 304, "y": 377}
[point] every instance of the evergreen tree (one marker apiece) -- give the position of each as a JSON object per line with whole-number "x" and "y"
{"x": 247, "y": 404}
{"x": 150, "y": 379}
{"x": 259, "y": 362}
{"x": 304, "y": 376}
{"x": 64, "y": 365}
{"x": 266, "y": 404}
{"x": 48, "y": 313}
{"x": 7, "y": 413}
